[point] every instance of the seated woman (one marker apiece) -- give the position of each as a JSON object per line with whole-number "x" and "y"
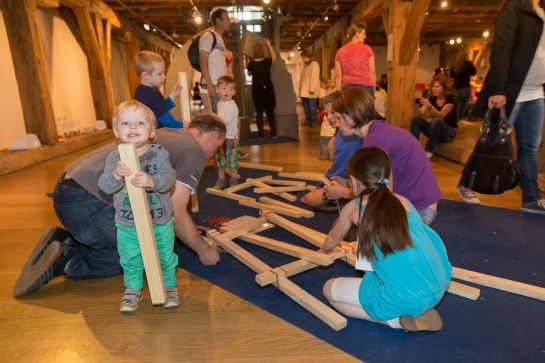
{"x": 345, "y": 147}
{"x": 443, "y": 125}
{"x": 409, "y": 270}
{"x": 412, "y": 174}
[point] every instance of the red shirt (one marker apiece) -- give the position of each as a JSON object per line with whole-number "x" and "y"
{"x": 354, "y": 59}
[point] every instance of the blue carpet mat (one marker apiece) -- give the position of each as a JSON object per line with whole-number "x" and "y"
{"x": 498, "y": 327}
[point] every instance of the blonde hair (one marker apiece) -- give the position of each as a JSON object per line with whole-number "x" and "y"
{"x": 228, "y": 80}
{"x": 354, "y": 29}
{"x": 133, "y": 105}
{"x": 144, "y": 61}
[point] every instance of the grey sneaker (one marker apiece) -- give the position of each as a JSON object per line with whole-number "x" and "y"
{"x": 467, "y": 195}
{"x": 220, "y": 184}
{"x": 537, "y": 207}
{"x": 173, "y": 299}
{"x": 234, "y": 181}
{"x": 131, "y": 301}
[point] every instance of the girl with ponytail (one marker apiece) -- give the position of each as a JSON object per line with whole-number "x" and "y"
{"x": 409, "y": 269}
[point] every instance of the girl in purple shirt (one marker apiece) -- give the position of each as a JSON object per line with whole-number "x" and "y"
{"x": 412, "y": 175}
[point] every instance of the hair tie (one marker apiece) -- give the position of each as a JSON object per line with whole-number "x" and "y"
{"x": 383, "y": 181}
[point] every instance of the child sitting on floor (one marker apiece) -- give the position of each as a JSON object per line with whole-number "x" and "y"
{"x": 134, "y": 123}
{"x": 410, "y": 268}
{"x": 227, "y": 156}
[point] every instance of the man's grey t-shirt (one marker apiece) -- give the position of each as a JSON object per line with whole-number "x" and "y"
{"x": 186, "y": 157}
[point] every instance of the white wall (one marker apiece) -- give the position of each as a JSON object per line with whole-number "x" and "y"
{"x": 67, "y": 71}
{"x": 11, "y": 118}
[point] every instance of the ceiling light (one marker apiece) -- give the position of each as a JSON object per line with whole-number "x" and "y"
{"x": 298, "y": 48}
{"x": 146, "y": 26}
{"x": 292, "y": 54}
{"x": 444, "y": 4}
{"x": 451, "y": 42}
{"x": 310, "y": 35}
{"x": 486, "y": 34}
{"x": 458, "y": 40}
{"x": 326, "y": 18}
{"x": 198, "y": 19}
{"x": 335, "y": 6}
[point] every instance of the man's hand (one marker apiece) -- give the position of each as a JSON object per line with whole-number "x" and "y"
{"x": 175, "y": 91}
{"x": 497, "y": 101}
{"x": 142, "y": 180}
{"x": 210, "y": 256}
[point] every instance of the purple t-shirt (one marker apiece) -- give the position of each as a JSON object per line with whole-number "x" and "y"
{"x": 412, "y": 172}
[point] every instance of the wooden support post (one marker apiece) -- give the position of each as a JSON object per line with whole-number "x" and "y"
{"x": 293, "y": 188}
{"x": 184, "y": 98}
{"x": 499, "y": 283}
{"x": 286, "y": 211}
{"x": 259, "y": 166}
{"x": 144, "y": 228}
{"x": 28, "y": 61}
{"x": 299, "y": 176}
{"x": 300, "y": 296}
{"x": 306, "y": 213}
{"x": 260, "y": 184}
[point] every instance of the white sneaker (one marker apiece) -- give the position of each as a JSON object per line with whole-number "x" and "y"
{"x": 467, "y": 195}
{"x": 534, "y": 207}
{"x": 173, "y": 299}
{"x": 131, "y": 301}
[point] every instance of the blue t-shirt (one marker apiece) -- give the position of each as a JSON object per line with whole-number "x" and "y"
{"x": 410, "y": 281}
{"x": 345, "y": 147}
{"x": 160, "y": 106}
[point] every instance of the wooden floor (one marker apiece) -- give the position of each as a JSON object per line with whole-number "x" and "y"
{"x": 78, "y": 321}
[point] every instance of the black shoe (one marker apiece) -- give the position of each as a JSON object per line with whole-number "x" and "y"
{"x": 50, "y": 263}
{"x": 49, "y": 235}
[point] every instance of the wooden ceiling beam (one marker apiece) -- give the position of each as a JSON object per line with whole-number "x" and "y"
{"x": 96, "y": 7}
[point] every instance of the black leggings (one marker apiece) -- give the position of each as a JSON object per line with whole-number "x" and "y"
{"x": 264, "y": 100}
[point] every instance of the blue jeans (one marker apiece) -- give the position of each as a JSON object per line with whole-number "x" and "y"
{"x": 369, "y": 89}
{"x": 437, "y": 131}
{"x": 527, "y": 119}
{"x": 90, "y": 222}
{"x": 310, "y": 105}
{"x": 461, "y": 98}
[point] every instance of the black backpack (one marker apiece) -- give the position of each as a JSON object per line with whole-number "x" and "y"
{"x": 492, "y": 168}
{"x": 193, "y": 52}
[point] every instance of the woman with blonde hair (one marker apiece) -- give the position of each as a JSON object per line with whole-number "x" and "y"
{"x": 355, "y": 62}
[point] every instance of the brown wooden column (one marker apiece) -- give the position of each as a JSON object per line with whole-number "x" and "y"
{"x": 403, "y": 22}
{"x": 28, "y": 61}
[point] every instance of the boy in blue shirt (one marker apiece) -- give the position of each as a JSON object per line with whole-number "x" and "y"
{"x": 150, "y": 67}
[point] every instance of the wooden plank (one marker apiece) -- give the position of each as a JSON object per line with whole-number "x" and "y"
{"x": 299, "y": 176}
{"x": 294, "y": 188}
{"x": 302, "y": 232}
{"x": 259, "y": 166}
{"x": 258, "y": 183}
{"x": 97, "y": 7}
{"x": 310, "y": 187}
{"x": 300, "y": 296}
{"x": 285, "y": 182}
{"x": 184, "y": 97}
{"x": 144, "y": 228}
{"x": 308, "y": 173}
{"x": 306, "y": 213}
{"x": 222, "y": 193}
{"x": 194, "y": 200}
{"x": 246, "y": 227}
{"x": 29, "y": 64}
{"x": 246, "y": 184}
{"x": 286, "y": 211}
{"x": 499, "y": 283}
{"x": 459, "y": 289}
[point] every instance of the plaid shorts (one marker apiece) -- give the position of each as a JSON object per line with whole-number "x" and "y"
{"x": 326, "y": 202}
{"x": 227, "y": 155}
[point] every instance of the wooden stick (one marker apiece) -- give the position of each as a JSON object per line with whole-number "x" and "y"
{"x": 459, "y": 289}
{"x": 308, "y": 173}
{"x": 224, "y": 194}
{"x": 194, "y": 203}
{"x": 326, "y": 181}
{"x": 286, "y": 211}
{"x": 285, "y": 182}
{"x": 300, "y": 296}
{"x": 310, "y": 187}
{"x": 144, "y": 228}
{"x": 259, "y": 166}
{"x": 258, "y": 183}
{"x": 499, "y": 283}
{"x": 246, "y": 227}
{"x": 293, "y": 188}
{"x": 184, "y": 98}
{"x": 245, "y": 185}
{"x": 302, "y": 232}
{"x": 299, "y": 176}
{"x": 306, "y": 213}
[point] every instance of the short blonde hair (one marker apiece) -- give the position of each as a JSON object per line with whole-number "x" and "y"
{"x": 228, "y": 80}
{"x": 133, "y": 105}
{"x": 144, "y": 61}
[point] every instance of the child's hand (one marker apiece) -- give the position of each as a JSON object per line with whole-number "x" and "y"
{"x": 142, "y": 180}
{"x": 340, "y": 180}
{"x": 175, "y": 91}
{"x": 121, "y": 170}
{"x": 336, "y": 190}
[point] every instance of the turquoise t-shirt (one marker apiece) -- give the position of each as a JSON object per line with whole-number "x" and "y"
{"x": 410, "y": 281}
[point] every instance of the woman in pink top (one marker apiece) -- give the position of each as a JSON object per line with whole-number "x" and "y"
{"x": 355, "y": 62}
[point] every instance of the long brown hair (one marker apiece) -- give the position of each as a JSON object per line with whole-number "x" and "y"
{"x": 444, "y": 81}
{"x": 358, "y": 104}
{"x": 353, "y": 29}
{"x": 384, "y": 222}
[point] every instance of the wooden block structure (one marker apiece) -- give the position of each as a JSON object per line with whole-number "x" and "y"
{"x": 260, "y": 166}
{"x": 260, "y": 184}
{"x": 292, "y": 188}
{"x": 267, "y": 200}
{"x": 144, "y": 228}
